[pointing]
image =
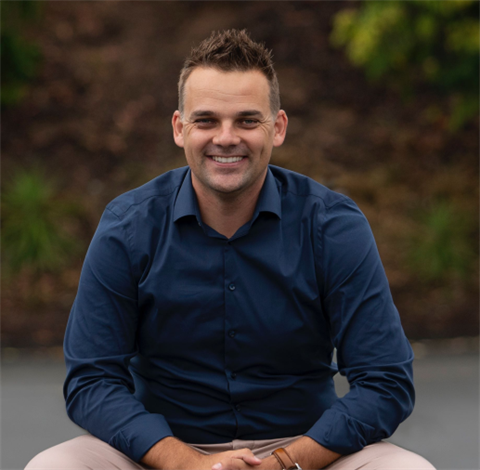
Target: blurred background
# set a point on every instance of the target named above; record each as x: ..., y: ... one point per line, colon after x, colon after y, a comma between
x: 383, y: 102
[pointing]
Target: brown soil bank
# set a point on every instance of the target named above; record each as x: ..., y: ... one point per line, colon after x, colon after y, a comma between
x: 97, y: 119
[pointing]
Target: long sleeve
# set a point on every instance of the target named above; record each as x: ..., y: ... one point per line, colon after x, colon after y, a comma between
x: 372, y: 350
x: 99, y: 343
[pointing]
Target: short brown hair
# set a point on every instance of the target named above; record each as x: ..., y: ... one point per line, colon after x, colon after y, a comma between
x: 228, y: 51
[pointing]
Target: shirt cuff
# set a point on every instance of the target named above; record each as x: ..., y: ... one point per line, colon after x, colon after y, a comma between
x: 135, y: 439
x: 341, y: 433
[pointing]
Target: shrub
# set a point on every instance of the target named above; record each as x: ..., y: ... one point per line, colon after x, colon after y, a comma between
x: 19, y: 57
x: 410, y: 44
x: 33, y: 219
x: 444, y: 246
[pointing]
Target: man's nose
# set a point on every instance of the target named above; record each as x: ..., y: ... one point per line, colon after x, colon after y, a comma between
x: 226, y: 136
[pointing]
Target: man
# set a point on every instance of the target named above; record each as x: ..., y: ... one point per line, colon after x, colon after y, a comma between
x: 212, y: 297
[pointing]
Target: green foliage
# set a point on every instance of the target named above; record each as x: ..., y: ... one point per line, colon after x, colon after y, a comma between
x: 413, y: 43
x: 19, y: 57
x: 444, y: 248
x: 32, y: 224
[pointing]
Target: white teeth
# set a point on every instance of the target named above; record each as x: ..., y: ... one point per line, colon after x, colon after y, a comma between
x: 226, y: 159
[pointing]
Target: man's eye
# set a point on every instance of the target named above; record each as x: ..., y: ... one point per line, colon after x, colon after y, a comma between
x: 204, y: 121
x: 250, y: 122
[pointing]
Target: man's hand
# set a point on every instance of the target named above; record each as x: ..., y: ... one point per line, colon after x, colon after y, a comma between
x: 234, y: 460
x: 172, y: 454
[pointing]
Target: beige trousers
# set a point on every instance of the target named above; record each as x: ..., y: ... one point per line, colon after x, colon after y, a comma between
x: 89, y: 453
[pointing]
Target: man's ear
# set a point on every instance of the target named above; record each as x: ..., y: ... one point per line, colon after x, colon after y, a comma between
x: 280, y: 126
x: 177, y: 125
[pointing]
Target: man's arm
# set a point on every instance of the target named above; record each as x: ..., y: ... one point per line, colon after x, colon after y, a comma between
x: 372, y: 350
x: 310, y: 454
x: 171, y: 453
x: 100, y: 341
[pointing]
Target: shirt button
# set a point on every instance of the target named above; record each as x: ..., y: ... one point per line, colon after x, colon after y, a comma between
x: 234, y: 375
x: 238, y: 407
x: 232, y: 286
x: 232, y: 333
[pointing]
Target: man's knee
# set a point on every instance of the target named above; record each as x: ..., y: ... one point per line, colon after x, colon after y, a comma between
x: 62, y: 456
x: 82, y: 453
x: 398, y: 458
x: 382, y: 456
x: 411, y: 461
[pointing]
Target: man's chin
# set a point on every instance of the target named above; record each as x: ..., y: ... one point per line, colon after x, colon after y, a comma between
x: 228, y: 189
x: 225, y: 183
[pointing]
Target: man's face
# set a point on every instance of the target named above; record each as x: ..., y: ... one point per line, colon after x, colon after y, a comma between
x: 228, y: 131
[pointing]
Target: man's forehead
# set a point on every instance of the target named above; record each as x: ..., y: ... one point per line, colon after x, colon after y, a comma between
x: 206, y: 74
x: 215, y: 86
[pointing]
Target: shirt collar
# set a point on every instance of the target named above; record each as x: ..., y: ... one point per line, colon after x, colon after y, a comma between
x: 186, y: 203
x: 269, y: 199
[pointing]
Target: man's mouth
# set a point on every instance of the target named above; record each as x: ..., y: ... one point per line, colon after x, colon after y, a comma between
x: 219, y: 159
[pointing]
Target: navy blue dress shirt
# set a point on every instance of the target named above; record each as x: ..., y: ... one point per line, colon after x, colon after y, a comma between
x: 178, y: 331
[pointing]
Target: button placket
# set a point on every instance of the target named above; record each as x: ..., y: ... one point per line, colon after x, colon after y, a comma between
x: 232, y: 325
x: 230, y: 301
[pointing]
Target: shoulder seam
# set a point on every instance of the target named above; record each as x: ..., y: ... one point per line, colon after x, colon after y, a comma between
x: 111, y: 212
x: 342, y: 196
x: 140, y: 202
x: 128, y: 238
x: 344, y: 199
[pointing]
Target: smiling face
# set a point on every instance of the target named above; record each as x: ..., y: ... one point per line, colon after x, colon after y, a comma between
x: 228, y: 131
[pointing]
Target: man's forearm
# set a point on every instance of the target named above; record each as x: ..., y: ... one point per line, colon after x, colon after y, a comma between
x: 309, y: 454
x: 171, y: 453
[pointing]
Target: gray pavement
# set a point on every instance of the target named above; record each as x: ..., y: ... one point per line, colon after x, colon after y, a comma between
x: 444, y: 426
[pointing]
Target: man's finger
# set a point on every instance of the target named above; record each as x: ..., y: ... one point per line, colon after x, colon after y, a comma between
x: 249, y: 458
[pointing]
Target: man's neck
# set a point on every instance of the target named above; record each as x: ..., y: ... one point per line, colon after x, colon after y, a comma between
x: 227, y: 213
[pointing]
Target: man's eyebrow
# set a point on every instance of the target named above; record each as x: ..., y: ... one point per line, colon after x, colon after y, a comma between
x: 202, y: 112
x: 250, y: 112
